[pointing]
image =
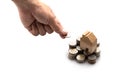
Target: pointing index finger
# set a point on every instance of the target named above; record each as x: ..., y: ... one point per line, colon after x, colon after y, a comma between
x: 57, y: 27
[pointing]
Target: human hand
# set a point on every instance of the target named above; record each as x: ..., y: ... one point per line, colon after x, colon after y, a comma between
x: 38, y: 18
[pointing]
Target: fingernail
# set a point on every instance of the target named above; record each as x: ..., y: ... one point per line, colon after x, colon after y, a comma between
x: 68, y: 35
x: 63, y: 33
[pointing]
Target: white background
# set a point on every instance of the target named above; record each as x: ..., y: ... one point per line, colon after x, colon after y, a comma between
x: 25, y: 57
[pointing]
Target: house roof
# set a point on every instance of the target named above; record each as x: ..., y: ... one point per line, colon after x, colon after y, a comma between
x: 89, y: 38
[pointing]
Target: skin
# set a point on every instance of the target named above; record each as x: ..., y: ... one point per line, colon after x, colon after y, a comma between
x: 38, y: 18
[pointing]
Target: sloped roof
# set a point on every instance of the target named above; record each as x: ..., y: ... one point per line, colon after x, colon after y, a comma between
x: 89, y: 38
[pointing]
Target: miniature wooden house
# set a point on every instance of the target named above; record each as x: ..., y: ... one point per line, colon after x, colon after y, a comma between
x: 88, y: 42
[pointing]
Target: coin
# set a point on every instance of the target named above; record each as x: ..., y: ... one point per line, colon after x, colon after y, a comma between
x: 92, y: 59
x: 78, y: 41
x: 85, y: 53
x: 79, y: 50
x: 98, y: 44
x: 72, y: 44
x: 97, y: 52
x: 80, y: 58
x: 92, y: 62
x: 72, y: 53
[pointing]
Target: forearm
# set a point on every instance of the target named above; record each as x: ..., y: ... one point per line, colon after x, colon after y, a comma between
x: 23, y: 1
x: 26, y: 3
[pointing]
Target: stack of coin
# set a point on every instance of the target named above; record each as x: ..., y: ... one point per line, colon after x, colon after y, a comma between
x: 97, y: 52
x: 72, y: 44
x: 81, y: 56
x: 78, y: 41
x: 72, y: 53
x: 92, y: 59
